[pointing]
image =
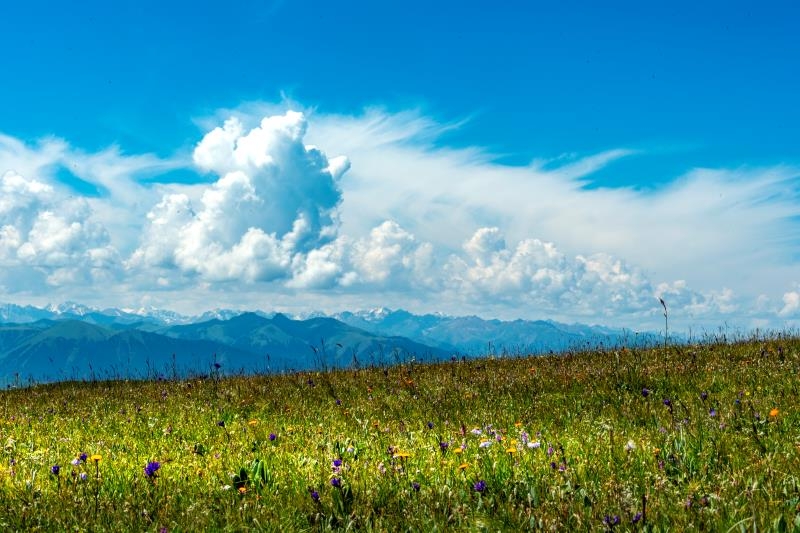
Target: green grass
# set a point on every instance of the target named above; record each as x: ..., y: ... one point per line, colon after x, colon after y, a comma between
x: 573, y: 440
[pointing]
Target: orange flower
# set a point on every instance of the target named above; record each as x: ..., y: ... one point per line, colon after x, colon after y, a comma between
x: 463, y: 466
x: 242, y: 490
x: 774, y: 412
x: 253, y: 423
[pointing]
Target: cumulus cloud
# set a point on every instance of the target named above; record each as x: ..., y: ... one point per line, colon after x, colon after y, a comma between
x: 54, y: 235
x: 791, y: 304
x: 276, y: 197
x: 413, y: 222
x: 536, y: 274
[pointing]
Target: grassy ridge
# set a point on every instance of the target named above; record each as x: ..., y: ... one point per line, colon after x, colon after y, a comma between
x: 695, y: 438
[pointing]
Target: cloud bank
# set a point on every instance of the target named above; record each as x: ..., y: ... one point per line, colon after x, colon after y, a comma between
x: 383, y: 213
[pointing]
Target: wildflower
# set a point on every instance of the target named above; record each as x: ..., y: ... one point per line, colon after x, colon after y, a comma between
x: 645, y: 392
x: 151, y: 468
x: 252, y: 423
x: 630, y: 445
x: 611, y: 521
x: 415, y: 486
x: 401, y: 455
x: 242, y: 490
x: 221, y: 423
x: 96, y: 458
x: 75, y: 462
x: 636, y: 518
x: 553, y: 465
x: 476, y: 431
x: 712, y: 412
x: 82, y: 457
x: 55, y: 469
x: 550, y: 450
x: 703, y: 395
x: 272, y: 436
x: 83, y: 476
x: 479, y: 486
x: 463, y: 466
x: 667, y: 402
x: 338, y: 401
x: 511, y: 450
x: 535, y: 444
x: 458, y: 450
x: 774, y: 412
x: 381, y: 468
x: 314, y: 495
x: 485, y: 444
x: 443, y: 445
x: 336, y: 482
x: 430, y: 425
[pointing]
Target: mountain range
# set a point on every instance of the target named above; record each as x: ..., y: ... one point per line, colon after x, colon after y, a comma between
x: 73, y: 341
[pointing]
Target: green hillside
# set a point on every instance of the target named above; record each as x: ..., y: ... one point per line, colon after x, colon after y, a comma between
x: 699, y: 437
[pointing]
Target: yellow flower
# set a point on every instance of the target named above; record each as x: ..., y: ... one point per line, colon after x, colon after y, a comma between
x: 458, y: 450
x: 242, y: 490
x: 401, y: 455
x: 518, y: 424
x: 96, y: 458
x: 253, y: 423
x: 511, y: 450
x: 463, y: 466
x: 774, y: 412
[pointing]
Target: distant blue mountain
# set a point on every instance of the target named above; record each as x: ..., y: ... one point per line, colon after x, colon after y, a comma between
x: 65, y: 349
x: 73, y: 341
x: 474, y: 335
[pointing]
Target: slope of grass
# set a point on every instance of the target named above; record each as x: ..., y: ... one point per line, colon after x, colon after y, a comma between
x: 696, y: 438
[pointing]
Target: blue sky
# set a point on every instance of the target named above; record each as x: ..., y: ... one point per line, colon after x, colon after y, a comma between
x: 661, y: 136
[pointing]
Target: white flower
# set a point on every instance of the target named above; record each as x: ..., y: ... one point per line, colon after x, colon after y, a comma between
x: 534, y: 444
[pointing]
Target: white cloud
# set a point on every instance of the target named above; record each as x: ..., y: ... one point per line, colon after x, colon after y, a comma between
x: 276, y: 197
x: 413, y: 223
x: 54, y: 235
x: 791, y: 304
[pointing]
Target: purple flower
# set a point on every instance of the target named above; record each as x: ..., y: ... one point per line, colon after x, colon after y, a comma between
x: 712, y: 412
x: 336, y: 482
x: 83, y: 457
x: 55, y: 469
x: 443, y: 445
x: 83, y: 476
x: 553, y: 465
x: 479, y: 486
x: 703, y: 395
x: 314, y: 495
x: 272, y: 436
x: 338, y: 401
x: 151, y: 468
x: 636, y: 518
x: 415, y: 486
x: 667, y: 402
x: 221, y: 423
x: 430, y: 425
x: 645, y: 392
x: 549, y: 450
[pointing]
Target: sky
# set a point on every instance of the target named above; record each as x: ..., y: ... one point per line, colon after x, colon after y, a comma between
x: 573, y: 161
